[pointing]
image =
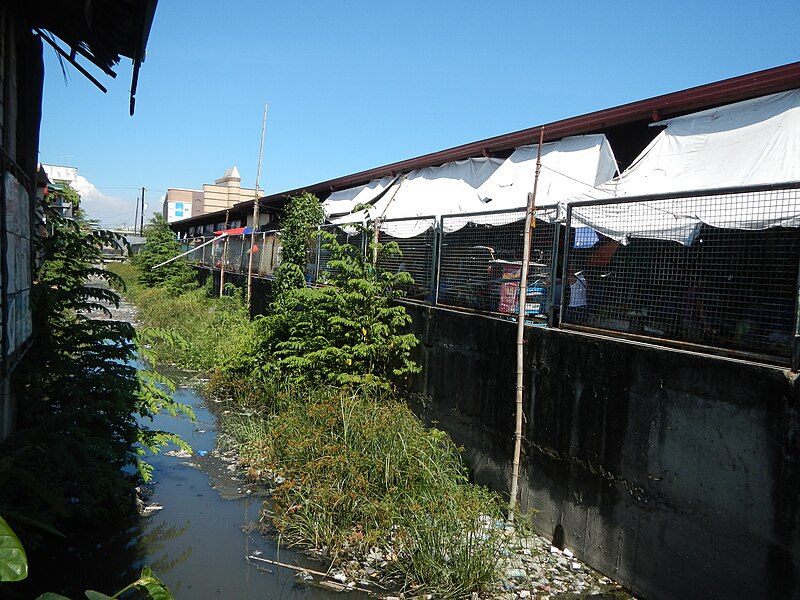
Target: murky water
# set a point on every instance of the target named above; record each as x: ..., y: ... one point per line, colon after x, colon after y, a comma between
x: 198, y: 543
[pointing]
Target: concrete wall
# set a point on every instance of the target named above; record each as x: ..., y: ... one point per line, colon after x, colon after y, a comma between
x: 21, y: 77
x: 674, y: 473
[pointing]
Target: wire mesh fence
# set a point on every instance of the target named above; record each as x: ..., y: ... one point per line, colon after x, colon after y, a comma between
x: 715, y: 270
x: 267, y: 253
x: 234, y: 253
x: 416, y: 240
x: 317, y: 270
x: 481, y: 263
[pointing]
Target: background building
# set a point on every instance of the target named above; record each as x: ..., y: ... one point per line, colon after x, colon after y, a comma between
x: 222, y: 194
x: 59, y: 177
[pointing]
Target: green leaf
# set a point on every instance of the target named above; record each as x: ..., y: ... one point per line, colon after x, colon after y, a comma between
x: 155, y: 589
x: 51, y: 596
x: 92, y: 595
x: 13, y: 562
x: 22, y: 518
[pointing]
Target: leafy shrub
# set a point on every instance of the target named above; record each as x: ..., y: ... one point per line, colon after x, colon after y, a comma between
x: 77, y: 424
x: 161, y: 245
x: 303, y: 214
x: 345, y: 333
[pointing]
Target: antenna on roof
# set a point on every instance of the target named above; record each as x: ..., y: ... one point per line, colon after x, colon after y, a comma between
x: 253, y: 247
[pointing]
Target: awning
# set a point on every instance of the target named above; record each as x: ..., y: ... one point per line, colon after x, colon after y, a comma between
x: 235, y: 231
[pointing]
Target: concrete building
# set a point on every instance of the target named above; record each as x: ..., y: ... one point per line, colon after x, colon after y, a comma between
x: 224, y: 193
x: 103, y: 37
x: 60, y: 176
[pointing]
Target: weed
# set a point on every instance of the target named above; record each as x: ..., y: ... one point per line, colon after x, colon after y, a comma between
x: 362, y: 473
x: 355, y: 472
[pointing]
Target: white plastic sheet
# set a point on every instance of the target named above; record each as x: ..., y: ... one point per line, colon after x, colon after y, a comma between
x: 343, y: 202
x: 747, y: 143
x: 433, y: 191
x: 570, y: 166
x: 486, y: 185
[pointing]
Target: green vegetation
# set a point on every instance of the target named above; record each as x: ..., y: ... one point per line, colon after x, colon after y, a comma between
x: 355, y: 471
x: 303, y: 214
x: 160, y: 246
x: 77, y: 426
x: 348, y: 333
x: 190, y: 329
x: 363, y: 474
x: 14, y: 567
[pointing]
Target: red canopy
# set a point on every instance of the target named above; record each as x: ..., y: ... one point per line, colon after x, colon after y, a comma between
x: 235, y: 231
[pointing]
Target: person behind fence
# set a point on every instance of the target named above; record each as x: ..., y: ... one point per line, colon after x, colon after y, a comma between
x: 578, y: 307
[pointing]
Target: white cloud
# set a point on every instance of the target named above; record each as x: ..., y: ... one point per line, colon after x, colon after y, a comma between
x: 109, y: 210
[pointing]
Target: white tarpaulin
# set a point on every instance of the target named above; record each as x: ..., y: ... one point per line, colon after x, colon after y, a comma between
x: 431, y: 191
x: 486, y: 185
x: 570, y: 166
x: 434, y: 191
x: 344, y: 201
x: 753, y: 142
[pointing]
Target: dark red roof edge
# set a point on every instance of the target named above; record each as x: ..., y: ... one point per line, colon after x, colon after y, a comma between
x: 760, y: 83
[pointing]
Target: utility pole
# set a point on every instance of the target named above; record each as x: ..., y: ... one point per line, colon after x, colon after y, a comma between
x: 141, y: 215
x: 136, y: 217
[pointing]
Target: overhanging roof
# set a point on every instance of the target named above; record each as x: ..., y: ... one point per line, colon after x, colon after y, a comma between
x: 101, y: 31
x: 760, y: 83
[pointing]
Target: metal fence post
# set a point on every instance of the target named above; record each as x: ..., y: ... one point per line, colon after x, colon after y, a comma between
x: 795, y: 349
x: 565, y: 263
x: 551, y: 293
x: 436, y: 252
x: 319, y: 253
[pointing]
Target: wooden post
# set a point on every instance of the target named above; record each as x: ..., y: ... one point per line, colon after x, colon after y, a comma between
x: 222, y: 267
x: 255, y: 217
x: 530, y: 223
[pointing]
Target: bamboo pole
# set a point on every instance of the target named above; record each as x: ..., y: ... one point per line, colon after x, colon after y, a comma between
x: 375, y: 238
x: 530, y: 223
x: 379, y: 219
x: 224, y: 255
x: 255, y: 216
x: 338, y: 586
x: 203, y: 245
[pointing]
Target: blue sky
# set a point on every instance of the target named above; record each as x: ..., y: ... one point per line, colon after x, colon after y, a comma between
x: 353, y: 85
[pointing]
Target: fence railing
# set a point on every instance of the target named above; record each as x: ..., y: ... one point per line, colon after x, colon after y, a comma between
x: 718, y: 269
x: 234, y: 252
x: 715, y: 271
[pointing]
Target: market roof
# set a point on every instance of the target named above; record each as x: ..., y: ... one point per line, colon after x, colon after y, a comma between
x: 647, y: 111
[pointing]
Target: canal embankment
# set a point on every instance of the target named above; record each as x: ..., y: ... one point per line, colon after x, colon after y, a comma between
x: 520, y: 564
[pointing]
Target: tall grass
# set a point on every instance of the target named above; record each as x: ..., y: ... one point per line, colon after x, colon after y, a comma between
x: 201, y: 332
x: 360, y: 477
x: 363, y: 475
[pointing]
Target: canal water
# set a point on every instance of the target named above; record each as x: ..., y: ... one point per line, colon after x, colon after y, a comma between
x: 200, y: 539
x: 197, y: 542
